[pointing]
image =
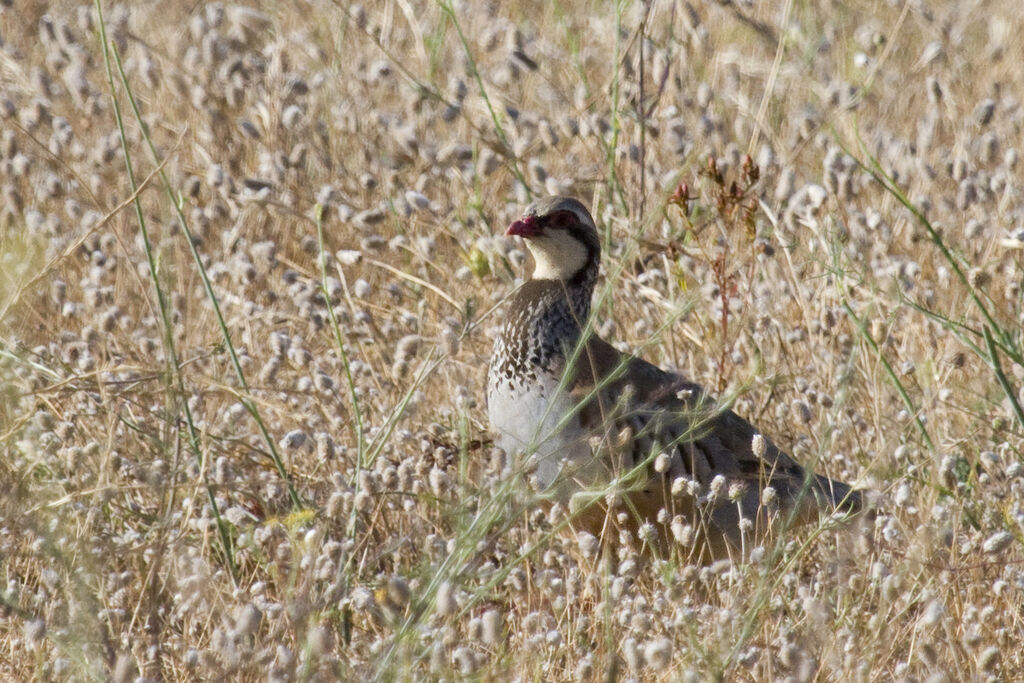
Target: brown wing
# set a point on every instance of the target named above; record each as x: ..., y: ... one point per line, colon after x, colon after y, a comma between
x: 636, y: 411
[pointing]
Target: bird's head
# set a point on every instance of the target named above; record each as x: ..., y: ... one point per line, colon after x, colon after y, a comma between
x: 561, y: 236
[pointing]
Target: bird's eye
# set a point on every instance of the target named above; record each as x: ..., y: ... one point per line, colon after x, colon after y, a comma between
x: 560, y: 219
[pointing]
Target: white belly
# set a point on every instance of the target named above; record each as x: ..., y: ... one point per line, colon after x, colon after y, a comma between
x: 536, y: 420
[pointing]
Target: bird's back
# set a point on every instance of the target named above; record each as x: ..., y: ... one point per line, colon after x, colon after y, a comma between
x: 678, y: 441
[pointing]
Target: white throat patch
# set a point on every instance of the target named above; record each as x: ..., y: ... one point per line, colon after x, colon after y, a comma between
x: 558, y: 255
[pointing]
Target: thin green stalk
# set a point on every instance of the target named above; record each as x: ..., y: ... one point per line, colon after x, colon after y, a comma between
x: 958, y: 329
x: 350, y: 380
x: 496, y: 506
x: 338, y: 339
x: 381, y: 438
x: 398, y: 62
x: 5, y: 353
x: 996, y: 337
x: 177, y: 201
x: 641, y: 114
x: 892, y: 374
x: 992, y: 347
x: 874, y: 169
x: 172, y: 366
x: 615, y: 187
x: 769, y: 581
x: 769, y: 584
x: 366, y: 453
x: 1001, y: 376
x: 446, y: 7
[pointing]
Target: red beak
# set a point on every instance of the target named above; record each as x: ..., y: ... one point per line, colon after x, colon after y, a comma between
x: 527, y: 226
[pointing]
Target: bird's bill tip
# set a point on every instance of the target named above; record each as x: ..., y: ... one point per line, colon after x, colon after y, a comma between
x: 527, y: 226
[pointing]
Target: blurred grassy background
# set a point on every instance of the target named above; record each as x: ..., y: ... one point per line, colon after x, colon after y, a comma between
x: 242, y: 427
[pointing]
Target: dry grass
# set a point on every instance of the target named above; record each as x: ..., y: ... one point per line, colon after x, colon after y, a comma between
x: 307, y: 492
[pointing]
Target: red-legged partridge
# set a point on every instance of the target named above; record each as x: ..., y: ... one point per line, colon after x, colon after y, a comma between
x: 599, y: 420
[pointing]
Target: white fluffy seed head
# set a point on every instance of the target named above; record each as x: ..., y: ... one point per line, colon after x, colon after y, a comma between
x: 662, y: 463
x: 291, y: 116
x: 248, y: 620
x: 588, y: 543
x: 658, y: 653
x: 759, y: 446
x: 997, y: 542
x: 681, y: 531
x: 416, y: 200
x: 446, y: 603
x: 35, y: 630
x: 717, y: 484
x: 293, y: 440
x: 398, y: 591
x: 465, y: 659
x: 492, y: 626
x: 988, y: 659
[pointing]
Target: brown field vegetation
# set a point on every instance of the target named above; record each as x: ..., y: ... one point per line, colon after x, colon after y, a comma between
x: 253, y: 263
